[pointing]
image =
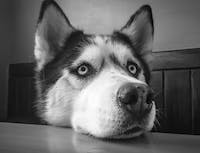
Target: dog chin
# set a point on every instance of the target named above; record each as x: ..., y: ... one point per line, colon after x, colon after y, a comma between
x: 114, y: 130
x: 133, y: 132
x: 115, y: 134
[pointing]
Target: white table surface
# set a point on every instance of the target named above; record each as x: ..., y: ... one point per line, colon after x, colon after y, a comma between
x: 28, y: 138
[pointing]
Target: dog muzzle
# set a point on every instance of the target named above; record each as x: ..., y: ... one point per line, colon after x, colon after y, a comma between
x: 114, y: 107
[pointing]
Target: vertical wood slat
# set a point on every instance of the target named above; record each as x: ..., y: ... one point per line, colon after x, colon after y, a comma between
x: 157, y: 85
x: 195, y: 85
x: 21, y: 95
x: 11, y: 98
x: 21, y: 99
x: 178, y: 101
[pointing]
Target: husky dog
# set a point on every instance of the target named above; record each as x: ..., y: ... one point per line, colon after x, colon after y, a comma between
x: 96, y: 84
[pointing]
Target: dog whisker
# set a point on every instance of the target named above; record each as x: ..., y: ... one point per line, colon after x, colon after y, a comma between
x: 157, y: 94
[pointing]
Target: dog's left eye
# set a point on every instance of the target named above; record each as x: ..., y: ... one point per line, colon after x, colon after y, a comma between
x: 132, y: 68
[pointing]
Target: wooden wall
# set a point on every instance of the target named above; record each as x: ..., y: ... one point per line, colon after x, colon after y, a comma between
x: 175, y: 79
x: 21, y: 93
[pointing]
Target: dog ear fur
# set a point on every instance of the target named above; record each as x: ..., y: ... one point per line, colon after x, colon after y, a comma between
x: 140, y: 30
x: 53, y: 29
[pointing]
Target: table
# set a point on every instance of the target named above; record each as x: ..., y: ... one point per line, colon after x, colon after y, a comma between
x: 29, y: 138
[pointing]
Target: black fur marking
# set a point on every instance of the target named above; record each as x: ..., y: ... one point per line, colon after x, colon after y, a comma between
x: 68, y: 54
x: 115, y: 60
x: 144, y: 8
x: 52, y: 71
x: 122, y: 38
x: 45, y: 5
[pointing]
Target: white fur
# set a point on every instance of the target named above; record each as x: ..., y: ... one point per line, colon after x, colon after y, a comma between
x: 41, y: 52
x: 96, y: 111
x: 58, y: 103
x: 151, y: 118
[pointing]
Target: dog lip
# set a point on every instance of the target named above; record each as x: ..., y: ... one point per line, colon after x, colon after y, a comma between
x: 149, y: 107
x: 128, y: 132
x: 132, y: 130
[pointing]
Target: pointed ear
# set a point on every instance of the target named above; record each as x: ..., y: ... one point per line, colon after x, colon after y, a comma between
x: 53, y: 29
x: 140, y: 30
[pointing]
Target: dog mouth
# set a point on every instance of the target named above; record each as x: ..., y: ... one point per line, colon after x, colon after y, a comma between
x: 132, y: 130
x: 117, y: 123
x: 129, y: 133
x: 137, y: 128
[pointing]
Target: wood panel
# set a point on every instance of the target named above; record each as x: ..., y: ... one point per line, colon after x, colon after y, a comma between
x: 181, y: 59
x: 195, y: 81
x: 22, y: 94
x: 21, y: 70
x: 12, y: 105
x: 178, y: 101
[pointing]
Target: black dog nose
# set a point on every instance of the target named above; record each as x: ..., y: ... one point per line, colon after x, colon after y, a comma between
x: 134, y: 97
x: 127, y: 94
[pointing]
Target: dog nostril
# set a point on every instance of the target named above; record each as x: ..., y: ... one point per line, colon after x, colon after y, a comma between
x: 128, y: 95
x: 132, y: 98
x: 141, y: 89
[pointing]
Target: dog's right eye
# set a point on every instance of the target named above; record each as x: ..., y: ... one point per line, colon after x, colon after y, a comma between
x: 82, y: 70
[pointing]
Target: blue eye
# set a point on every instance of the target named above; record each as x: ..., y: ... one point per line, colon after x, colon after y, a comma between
x: 132, y: 69
x: 83, y: 70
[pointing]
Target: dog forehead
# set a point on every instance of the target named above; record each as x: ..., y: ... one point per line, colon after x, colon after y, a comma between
x: 110, y: 46
x: 102, y: 47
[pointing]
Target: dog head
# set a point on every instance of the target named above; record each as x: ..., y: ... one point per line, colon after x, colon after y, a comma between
x: 97, y: 84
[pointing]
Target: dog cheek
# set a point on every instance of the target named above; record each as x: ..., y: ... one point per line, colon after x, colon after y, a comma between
x: 96, y: 111
x: 141, y: 77
x: 75, y: 83
x: 59, y: 103
x: 151, y: 118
